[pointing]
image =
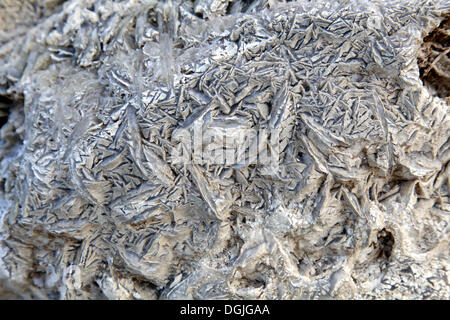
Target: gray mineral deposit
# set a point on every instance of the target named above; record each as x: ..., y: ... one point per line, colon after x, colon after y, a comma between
x: 224, y: 149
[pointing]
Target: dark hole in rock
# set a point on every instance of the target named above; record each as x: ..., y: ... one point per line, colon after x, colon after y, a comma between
x: 434, y: 60
x: 229, y: 7
x: 252, y: 283
x: 5, y: 106
x: 385, y: 243
x: 306, y: 86
x: 199, y: 15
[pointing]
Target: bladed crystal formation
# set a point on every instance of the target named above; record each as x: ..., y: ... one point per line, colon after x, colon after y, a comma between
x: 220, y: 149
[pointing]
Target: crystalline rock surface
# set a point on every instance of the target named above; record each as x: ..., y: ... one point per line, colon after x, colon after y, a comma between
x: 99, y: 100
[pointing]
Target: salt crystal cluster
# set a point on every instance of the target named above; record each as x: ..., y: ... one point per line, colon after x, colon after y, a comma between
x: 131, y: 147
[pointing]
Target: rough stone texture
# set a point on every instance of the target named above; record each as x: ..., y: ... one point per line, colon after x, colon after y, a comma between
x: 98, y: 96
